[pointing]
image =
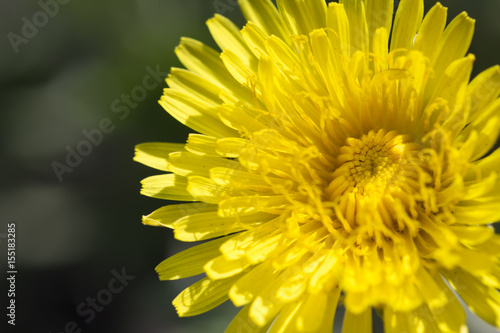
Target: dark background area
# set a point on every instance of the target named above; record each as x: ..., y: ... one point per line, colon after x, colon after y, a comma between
x: 77, y: 231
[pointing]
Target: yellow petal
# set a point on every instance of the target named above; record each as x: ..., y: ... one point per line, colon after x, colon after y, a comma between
x: 379, y: 49
x: 238, y: 69
x: 258, y: 160
x: 264, y: 308
x: 282, y: 55
x: 255, y: 38
x: 236, y: 246
x: 194, y: 85
x: 482, y: 300
x: 355, y: 11
x: 264, y: 14
x: 454, y: 42
x: 243, y: 323
x: 337, y: 20
x: 359, y: 323
x: 303, y: 16
x: 483, y: 91
x: 328, y: 321
x: 477, y: 189
x: 310, y: 315
x: 250, y: 285
x: 293, y: 286
x: 325, y: 59
x: 454, y: 81
x: 201, y: 144
x: 485, y: 166
x: 474, y: 212
x: 203, y: 189
x: 261, y: 249
x: 432, y: 289
x: 488, y: 133
x: 206, y: 62
x: 285, y: 321
x: 228, y: 36
x: 379, y: 15
x: 196, y: 227
x: 167, y: 215
x: 397, y: 322
x: 189, y: 262
x: 240, y: 206
x: 245, y: 180
x: 322, y: 275
x: 201, y: 226
x: 202, y: 296
x: 186, y: 163
x: 430, y: 31
x: 230, y: 147
x: 475, y: 261
x: 406, y: 23
x: 154, y: 154
x: 167, y: 187
x: 452, y: 318
x: 473, y: 235
x: 222, y: 268
x: 196, y: 114
x: 235, y: 117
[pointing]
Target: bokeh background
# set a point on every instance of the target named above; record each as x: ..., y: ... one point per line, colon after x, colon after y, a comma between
x: 63, y: 79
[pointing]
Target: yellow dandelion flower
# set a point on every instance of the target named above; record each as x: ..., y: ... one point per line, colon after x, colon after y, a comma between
x: 342, y: 157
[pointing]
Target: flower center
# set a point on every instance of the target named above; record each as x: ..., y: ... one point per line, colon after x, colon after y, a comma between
x: 372, y: 164
x: 373, y: 171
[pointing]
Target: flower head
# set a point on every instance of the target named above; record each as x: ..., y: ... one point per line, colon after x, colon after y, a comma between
x: 342, y: 157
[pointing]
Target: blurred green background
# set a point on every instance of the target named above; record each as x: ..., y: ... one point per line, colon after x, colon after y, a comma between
x: 59, y: 79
